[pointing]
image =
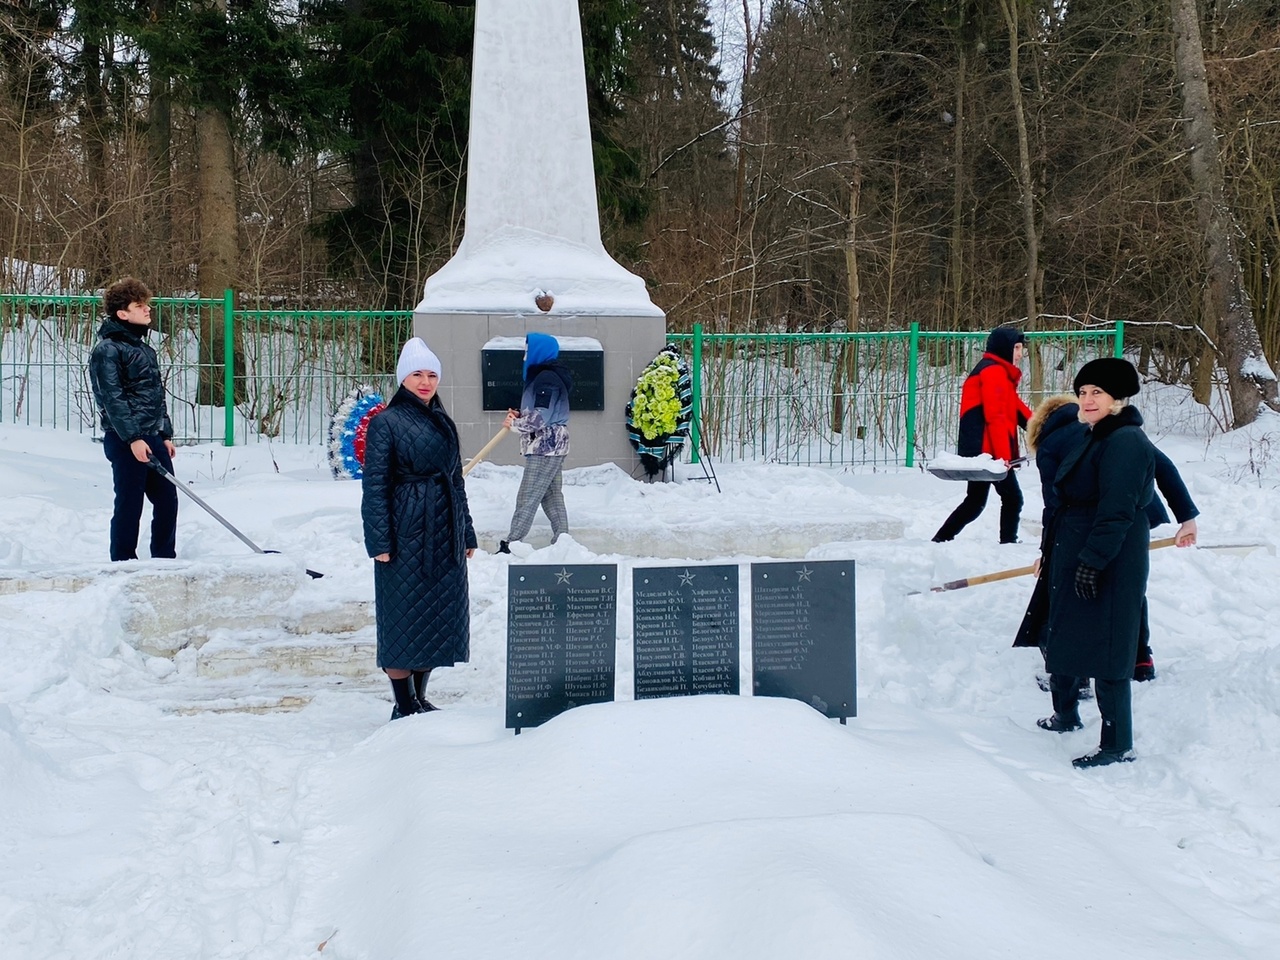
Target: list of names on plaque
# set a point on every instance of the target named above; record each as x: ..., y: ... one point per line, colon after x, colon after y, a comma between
x: 561, y: 639
x: 685, y: 622
x: 803, y: 635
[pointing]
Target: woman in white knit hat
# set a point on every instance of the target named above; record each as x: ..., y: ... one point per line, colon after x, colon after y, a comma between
x: 417, y: 528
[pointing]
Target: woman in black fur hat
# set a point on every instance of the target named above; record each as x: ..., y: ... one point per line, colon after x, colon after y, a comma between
x: 1097, y: 552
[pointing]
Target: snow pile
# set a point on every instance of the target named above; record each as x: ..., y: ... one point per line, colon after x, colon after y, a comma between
x: 940, y: 822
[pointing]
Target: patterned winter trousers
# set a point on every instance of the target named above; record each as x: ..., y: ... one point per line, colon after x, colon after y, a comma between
x: 540, y: 485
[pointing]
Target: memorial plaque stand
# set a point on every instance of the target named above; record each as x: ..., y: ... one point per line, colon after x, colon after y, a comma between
x: 561, y: 639
x: 803, y: 636
x: 685, y: 622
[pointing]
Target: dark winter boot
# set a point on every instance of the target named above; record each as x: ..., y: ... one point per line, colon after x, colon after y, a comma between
x: 420, y: 678
x: 1065, y: 692
x: 1116, y: 743
x: 406, y: 702
x: 504, y: 546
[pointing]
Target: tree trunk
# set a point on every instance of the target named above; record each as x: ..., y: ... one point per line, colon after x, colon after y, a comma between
x: 159, y: 143
x: 1025, y: 182
x: 219, y: 243
x: 853, y: 320
x: 1250, y: 379
x: 94, y: 256
x: 957, y: 191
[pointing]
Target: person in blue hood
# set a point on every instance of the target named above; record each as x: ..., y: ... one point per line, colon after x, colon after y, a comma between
x: 543, y: 424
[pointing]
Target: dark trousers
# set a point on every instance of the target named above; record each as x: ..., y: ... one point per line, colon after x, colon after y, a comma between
x: 976, y: 498
x: 1115, y: 703
x: 133, y: 481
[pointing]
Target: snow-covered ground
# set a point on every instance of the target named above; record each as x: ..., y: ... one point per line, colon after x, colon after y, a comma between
x: 939, y: 823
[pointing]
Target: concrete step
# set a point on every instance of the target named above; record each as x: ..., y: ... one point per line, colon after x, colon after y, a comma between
x: 352, y: 657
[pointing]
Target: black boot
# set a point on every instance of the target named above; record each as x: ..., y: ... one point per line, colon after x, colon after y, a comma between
x: 504, y: 546
x: 1116, y: 742
x: 1065, y: 692
x: 406, y: 703
x: 420, y: 678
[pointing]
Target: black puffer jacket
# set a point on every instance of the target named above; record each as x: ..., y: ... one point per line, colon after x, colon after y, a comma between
x: 125, y: 376
x: 414, y: 507
x: 1103, y: 486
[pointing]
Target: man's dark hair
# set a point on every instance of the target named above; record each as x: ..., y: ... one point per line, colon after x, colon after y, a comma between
x: 120, y: 294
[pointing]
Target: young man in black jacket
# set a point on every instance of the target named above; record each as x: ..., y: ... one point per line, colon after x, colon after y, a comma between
x: 125, y: 375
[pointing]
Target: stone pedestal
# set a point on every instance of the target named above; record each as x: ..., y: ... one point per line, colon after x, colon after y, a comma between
x: 595, y: 436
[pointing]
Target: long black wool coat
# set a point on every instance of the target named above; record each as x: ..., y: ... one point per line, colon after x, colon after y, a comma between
x: 414, y: 507
x: 1103, y: 486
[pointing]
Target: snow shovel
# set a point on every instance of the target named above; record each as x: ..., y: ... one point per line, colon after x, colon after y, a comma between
x: 1016, y: 572
x: 484, y: 451
x: 972, y: 469
x: 157, y: 466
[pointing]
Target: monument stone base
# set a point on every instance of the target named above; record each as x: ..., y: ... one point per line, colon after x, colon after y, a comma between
x: 595, y: 436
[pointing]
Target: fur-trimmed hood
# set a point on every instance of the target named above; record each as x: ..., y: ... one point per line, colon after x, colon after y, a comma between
x: 1046, y: 408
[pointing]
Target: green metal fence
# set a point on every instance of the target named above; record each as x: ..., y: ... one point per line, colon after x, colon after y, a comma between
x: 845, y: 398
x: 236, y: 376
x: 283, y: 371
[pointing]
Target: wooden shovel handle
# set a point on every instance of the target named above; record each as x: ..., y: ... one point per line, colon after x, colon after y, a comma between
x: 484, y: 451
x: 1021, y: 571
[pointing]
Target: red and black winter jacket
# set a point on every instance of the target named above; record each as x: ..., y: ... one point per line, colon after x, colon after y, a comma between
x: 991, y: 410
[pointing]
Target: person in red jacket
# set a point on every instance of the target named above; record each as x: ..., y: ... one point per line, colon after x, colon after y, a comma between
x: 990, y: 413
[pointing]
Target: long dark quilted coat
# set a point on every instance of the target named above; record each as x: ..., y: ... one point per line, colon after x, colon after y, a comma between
x: 1103, y: 486
x: 414, y: 507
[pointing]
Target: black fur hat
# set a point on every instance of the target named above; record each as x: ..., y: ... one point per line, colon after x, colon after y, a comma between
x: 1116, y: 376
x: 1002, y: 340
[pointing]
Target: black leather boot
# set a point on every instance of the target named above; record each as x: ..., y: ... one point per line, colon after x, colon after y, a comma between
x: 420, y: 678
x: 1065, y: 692
x: 1116, y: 742
x: 406, y: 703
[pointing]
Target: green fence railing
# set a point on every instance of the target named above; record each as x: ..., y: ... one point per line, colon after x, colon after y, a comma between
x: 236, y: 375
x: 230, y: 374
x: 866, y: 398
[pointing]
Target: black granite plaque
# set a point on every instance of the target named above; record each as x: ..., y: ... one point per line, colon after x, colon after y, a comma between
x: 502, y: 378
x: 561, y: 637
x: 803, y: 636
x: 685, y: 623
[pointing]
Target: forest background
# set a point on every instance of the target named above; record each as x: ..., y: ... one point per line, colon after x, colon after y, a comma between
x: 856, y: 165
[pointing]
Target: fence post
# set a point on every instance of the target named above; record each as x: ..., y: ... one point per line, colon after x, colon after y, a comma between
x: 695, y: 424
x: 1120, y: 338
x: 228, y: 368
x: 913, y: 352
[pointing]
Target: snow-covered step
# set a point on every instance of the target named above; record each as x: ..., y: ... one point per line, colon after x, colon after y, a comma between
x: 317, y: 655
x: 706, y: 537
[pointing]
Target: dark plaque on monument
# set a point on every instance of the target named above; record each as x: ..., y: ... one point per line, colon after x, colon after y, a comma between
x: 686, y: 630
x: 803, y: 636
x: 561, y: 637
x: 502, y: 378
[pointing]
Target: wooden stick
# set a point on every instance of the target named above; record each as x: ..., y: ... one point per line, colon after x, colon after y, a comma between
x: 1020, y: 571
x: 484, y: 451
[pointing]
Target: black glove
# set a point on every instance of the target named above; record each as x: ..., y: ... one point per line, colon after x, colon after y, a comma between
x: 1087, y: 582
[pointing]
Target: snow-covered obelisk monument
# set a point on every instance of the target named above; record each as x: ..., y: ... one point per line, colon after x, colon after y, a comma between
x: 531, y: 257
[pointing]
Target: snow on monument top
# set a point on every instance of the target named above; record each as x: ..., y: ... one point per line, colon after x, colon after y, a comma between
x: 532, y: 220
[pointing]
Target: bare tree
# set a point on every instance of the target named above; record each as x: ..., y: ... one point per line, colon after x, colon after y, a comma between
x: 1250, y: 380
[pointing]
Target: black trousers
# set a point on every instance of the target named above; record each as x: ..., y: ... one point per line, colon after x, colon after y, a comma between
x: 133, y: 481
x: 1115, y: 703
x: 975, y: 500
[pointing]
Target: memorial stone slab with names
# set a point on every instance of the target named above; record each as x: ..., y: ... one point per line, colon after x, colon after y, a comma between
x: 561, y: 639
x: 803, y: 636
x: 685, y: 622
